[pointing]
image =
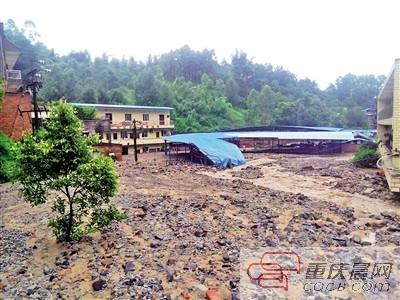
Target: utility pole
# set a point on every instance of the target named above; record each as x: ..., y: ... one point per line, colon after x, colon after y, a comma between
x: 134, y: 139
x: 34, y: 85
x: 35, y: 124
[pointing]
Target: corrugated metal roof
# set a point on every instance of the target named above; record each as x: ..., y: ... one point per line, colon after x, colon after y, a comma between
x: 315, y: 128
x: 122, y: 106
x: 295, y: 135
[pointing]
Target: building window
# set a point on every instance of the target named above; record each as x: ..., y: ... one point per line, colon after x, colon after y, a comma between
x: 124, y: 134
x: 145, y: 117
x: 163, y: 132
x: 162, y: 121
x: 128, y: 117
x: 115, y: 135
x: 157, y: 134
x: 145, y: 134
x: 109, y: 117
x: 108, y: 135
x: 131, y: 135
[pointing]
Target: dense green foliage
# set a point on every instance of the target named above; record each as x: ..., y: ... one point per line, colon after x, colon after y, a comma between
x: 7, y: 163
x: 1, y: 93
x: 58, y: 158
x: 366, y: 156
x: 206, y: 94
x: 85, y: 112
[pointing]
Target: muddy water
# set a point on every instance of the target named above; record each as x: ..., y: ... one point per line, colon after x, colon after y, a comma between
x: 312, y: 187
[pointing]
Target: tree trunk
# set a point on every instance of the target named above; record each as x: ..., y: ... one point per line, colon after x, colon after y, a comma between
x: 70, y: 219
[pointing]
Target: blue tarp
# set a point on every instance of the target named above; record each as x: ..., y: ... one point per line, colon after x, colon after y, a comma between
x: 220, y: 152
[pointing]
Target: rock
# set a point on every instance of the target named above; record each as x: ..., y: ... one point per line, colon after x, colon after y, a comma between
x: 107, y: 262
x: 31, y: 290
x: 99, y: 285
x: 200, y: 287
x: 368, y: 191
x: 129, y: 267
x: 389, y: 215
x: 221, y: 242
x: 200, y: 233
x: 375, y: 224
x: 214, y: 295
x: 394, y: 229
x: 170, y: 274
x: 319, y: 223
x: 363, y: 238
x: 191, y: 266
x: 224, y: 291
x: 155, y: 244
x: 46, y: 270
x: 185, y: 295
x: 22, y: 270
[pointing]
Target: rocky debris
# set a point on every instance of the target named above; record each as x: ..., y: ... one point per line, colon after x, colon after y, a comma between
x: 16, y: 263
x: 345, y: 176
x: 13, y: 250
x: 185, y: 230
x: 249, y: 172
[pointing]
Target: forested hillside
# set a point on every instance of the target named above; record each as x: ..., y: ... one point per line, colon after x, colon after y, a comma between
x: 206, y: 94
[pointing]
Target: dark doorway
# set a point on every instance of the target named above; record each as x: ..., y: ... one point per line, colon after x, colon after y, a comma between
x: 124, y: 150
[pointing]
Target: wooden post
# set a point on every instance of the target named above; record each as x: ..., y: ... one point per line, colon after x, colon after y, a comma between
x: 134, y: 139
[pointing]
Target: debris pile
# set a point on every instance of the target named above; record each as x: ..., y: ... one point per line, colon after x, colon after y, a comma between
x: 186, y: 225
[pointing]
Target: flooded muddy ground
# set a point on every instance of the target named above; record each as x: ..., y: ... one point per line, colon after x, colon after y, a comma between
x: 187, y: 223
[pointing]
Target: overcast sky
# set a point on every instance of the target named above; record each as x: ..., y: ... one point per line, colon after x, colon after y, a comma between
x: 318, y: 39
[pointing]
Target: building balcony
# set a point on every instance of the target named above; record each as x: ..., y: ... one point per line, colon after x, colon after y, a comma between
x: 155, y: 126
x: 14, y: 81
x: 140, y: 125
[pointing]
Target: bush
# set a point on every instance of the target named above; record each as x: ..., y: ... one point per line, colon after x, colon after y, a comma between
x: 366, y: 156
x: 7, y: 162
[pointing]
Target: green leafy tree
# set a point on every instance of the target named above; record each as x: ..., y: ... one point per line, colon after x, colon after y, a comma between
x: 355, y: 118
x: 59, y: 158
x: 85, y: 112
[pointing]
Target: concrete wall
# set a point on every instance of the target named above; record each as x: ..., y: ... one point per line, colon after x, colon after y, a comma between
x: 11, y: 122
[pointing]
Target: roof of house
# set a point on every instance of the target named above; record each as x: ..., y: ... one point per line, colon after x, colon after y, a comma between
x: 122, y: 106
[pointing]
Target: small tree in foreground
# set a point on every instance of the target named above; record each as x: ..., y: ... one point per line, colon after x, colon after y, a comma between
x: 59, y: 158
